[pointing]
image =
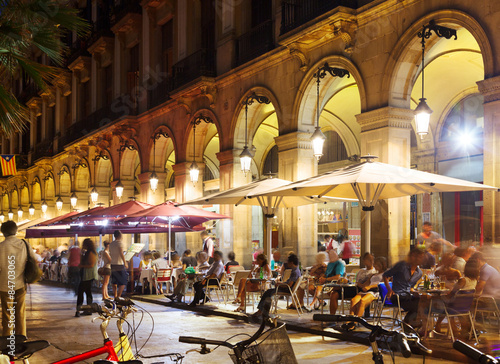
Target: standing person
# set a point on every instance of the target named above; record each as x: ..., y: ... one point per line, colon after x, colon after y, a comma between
x: 208, y: 245
x: 331, y: 243
x: 73, y: 263
x: 405, y: 275
x: 13, y: 255
x: 88, y: 272
x: 211, y: 277
x: 106, y: 258
x: 427, y: 237
x: 119, y: 276
x: 347, y: 251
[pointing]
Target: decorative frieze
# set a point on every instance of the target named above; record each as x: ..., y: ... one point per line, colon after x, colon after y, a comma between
x: 385, y: 117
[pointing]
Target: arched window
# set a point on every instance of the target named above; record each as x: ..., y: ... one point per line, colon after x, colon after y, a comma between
x: 207, y: 174
x: 333, y: 149
x: 465, y: 119
x: 271, y: 162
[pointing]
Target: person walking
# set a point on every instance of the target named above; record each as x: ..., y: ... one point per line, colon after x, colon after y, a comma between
x: 119, y: 276
x: 73, y: 263
x: 106, y: 259
x: 13, y: 255
x: 88, y: 272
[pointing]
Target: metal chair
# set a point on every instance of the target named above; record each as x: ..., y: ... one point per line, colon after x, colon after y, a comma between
x: 163, y: 276
x: 383, y: 302
x: 217, y: 287
x: 236, y: 268
x: 238, y: 276
x: 292, y: 292
x: 487, y: 306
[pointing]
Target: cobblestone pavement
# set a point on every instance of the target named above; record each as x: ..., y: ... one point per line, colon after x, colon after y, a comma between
x: 51, y: 317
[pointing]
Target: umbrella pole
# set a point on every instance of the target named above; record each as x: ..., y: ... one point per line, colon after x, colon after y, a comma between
x: 269, y: 237
x: 100, y: 241
x: 169, y: 240
x: 368, y: 228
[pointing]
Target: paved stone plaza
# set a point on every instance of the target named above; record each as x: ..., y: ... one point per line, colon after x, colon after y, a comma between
x: 51, y: 310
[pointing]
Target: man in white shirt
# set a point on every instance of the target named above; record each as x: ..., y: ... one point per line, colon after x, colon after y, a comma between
x: 212, y: 277
x: 208, y: 245
x: 119, y: 275
x: 13, y: 255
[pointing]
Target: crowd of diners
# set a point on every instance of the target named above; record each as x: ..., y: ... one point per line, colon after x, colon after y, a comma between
x: 459, y: 269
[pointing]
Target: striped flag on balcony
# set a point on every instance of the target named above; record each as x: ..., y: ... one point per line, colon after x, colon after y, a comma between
x: 8, y: 162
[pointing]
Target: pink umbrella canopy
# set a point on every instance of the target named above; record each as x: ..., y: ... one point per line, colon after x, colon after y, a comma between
x: 63, y: 231
x: 187, y: 216
x: 59, y: 218
x: 113, y: 212
x: 72, y: 218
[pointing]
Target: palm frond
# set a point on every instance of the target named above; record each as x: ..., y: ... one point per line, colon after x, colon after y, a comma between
x: 13, y: 116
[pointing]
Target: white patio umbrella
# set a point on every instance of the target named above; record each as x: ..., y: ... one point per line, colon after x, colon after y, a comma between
x: 370, y: 181
x: 250, y: 194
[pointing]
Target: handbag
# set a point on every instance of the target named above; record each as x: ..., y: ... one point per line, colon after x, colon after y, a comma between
x: 32, y: 272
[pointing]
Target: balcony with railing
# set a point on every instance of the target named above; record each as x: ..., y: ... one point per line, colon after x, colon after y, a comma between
x: 255, y: 42
x: 100, y: 28
x: 198, y: 64
x: 43, y: 149
x: 160, y: 92
x: 122, y: 8
x: 77, y: 49
x: 120, y: 107
x: 295, y: 13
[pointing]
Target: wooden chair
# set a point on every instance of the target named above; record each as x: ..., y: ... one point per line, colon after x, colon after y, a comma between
x: 163, y: 276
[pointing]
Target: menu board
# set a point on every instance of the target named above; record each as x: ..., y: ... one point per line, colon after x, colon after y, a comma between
x: 355, y: 238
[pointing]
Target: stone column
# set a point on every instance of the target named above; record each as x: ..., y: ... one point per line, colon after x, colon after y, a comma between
x: 490, y: 88
x: 385, y: 133
x: 185, y: 191
x: 58, y: 119
x: 299, y: 224
x: 226, y: 45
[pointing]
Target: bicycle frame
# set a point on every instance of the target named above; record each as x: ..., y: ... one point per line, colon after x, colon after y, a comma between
x: 123, y: 347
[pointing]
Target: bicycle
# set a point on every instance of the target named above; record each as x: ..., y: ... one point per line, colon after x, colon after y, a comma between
x: 274, y: 347
x: 122, y: 351
x: 474, y: 354
x: 401, y: 339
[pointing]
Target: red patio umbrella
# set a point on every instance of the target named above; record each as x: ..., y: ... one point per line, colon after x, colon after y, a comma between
x: 187, y: 216
x: 57, y: 219
x: 113, y: 212
x: 71, y: 218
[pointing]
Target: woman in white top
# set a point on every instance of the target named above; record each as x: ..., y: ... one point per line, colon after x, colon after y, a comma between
x: 368, y: 289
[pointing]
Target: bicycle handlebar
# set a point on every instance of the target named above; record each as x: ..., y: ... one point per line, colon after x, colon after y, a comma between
x: 202, y: 341
x: 401, y: 338
x: 473, y: 353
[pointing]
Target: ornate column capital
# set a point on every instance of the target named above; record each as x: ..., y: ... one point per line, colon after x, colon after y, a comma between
x: 393, y: 117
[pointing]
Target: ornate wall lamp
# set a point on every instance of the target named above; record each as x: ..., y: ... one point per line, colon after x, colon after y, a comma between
x: 153, y: 179
x: 31, y: 208
x: 246, y: 156
x: 423, y: 111
x: 59, y: 201
x: 94, y: 195
x: 318, y: 138
x: 119, y: 186
x: 44, y: 205
x: 194, y: 171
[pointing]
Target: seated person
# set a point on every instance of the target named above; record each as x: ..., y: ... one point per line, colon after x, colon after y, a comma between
x: 462, y: 255
x: 176, y: 260
x: 213, y: 276
x: 317, y: 271
x: 467, y: 283
x: 334, y: 271
x: 405, y: 275
x: 246, y: 285
x: 147, y: 258
x: 489, y: 278
x: 190, y: 277
x: 158, y: 263
x: 232, y: 262
x: 202, y: 260
x: 368, y: 289
x: 188, y: 260
x: 445, y: 272
x: 431, y: 255
x: 293, y: 264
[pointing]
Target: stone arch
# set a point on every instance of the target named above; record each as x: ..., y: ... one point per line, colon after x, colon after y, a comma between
x: 128, y: 160
x: 65, y: 184
x: 207, y: 141
x: 36, y: 191
x: 25, y: 195
x: 5, y: 203
x: 340, y: 117
x: 161, y: 149
x: 14, y: 199
x: 50, y: 187
x: 400, y: 68
x: 82, y: 177
x: 104, y: 171
x: 257, y: 114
